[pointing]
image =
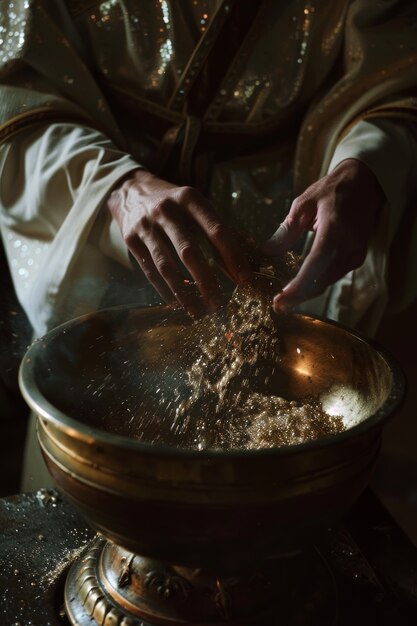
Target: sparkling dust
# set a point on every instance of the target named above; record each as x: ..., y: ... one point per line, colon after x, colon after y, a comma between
x: 230, y: 403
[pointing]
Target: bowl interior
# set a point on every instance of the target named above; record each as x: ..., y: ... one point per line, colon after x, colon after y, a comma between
x: 122, y: 370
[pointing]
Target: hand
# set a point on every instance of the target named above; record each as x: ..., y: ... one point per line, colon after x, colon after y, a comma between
x: 341, y: 209
x: 161, y: 224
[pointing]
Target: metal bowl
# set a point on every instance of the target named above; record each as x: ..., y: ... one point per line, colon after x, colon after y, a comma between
x: 212, y: 509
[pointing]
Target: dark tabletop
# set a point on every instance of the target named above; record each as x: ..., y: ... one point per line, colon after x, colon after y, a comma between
x: 372, y: 563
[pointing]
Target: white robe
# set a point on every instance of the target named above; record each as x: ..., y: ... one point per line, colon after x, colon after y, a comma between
x: 66, y: 253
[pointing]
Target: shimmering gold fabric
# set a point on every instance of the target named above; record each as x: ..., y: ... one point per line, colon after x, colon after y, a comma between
x: 128, y: 68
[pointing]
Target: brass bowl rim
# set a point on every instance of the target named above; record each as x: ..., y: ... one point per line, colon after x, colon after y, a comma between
x: 91, y: 435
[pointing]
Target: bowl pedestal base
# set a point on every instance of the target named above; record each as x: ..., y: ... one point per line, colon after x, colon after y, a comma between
x: 110, y: 586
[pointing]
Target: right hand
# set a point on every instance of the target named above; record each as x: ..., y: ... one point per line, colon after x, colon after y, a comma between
x: 161, y: 223
x: 341, y: 209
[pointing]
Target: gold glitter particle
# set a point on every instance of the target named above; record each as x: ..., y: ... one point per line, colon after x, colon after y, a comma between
x: 230, y: 405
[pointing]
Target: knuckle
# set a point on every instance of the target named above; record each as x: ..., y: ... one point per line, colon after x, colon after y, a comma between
x: 284, y: 227
x: 144, y: 224
x: 297, y: 215
x: 293, y: 221
x: 148, y: 272
x: 188, y: 193
x: 297, y: 204
x: 162, y: 264
x: 217, y: 231
x: 130, y: 239
x: 185, y: 252
x: 164, y: 209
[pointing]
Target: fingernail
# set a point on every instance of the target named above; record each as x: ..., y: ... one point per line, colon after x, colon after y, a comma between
x: 279, y: 305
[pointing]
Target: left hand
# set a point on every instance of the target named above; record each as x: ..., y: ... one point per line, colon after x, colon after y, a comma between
x: 163, y: 225
x: 341, y: 209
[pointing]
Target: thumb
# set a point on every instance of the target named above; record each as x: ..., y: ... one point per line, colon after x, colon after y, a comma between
x: 298, y: 220
x: 281, y: 241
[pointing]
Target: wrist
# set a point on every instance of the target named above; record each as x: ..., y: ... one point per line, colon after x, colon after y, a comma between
x: 138, y: 178
x: 356, y: 171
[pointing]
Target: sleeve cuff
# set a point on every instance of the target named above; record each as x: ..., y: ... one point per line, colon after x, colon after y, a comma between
x: 387, y: 148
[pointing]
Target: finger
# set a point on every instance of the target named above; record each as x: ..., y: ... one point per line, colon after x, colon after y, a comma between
x: 192, y: 258
x: 166, y: 265
x: 326, y: 263
x: 299, y: 219
x: 146, y: 264
x: 222, y: 239
x: 177, y: 228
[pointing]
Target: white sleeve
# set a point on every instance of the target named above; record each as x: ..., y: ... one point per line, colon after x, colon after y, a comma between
x: 359, y: 299
x: 53, y: 183
x: 389, y: 149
